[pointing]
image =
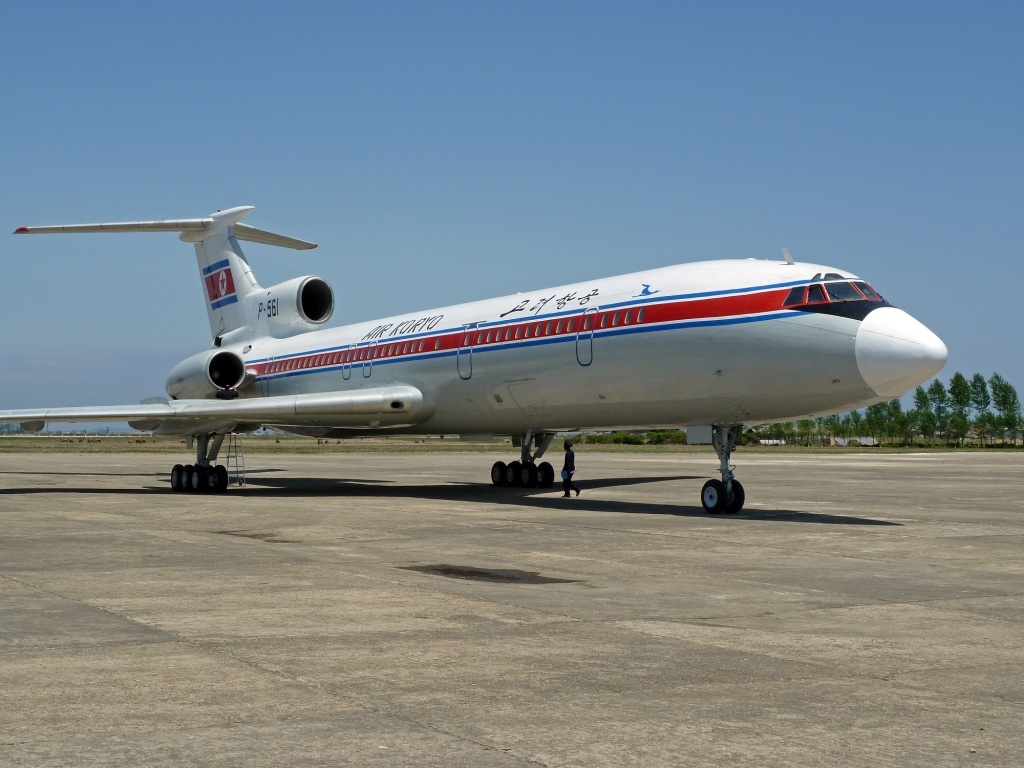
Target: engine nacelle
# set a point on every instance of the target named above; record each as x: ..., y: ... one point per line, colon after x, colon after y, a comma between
x: 202, y: 375
x: 295, y: 306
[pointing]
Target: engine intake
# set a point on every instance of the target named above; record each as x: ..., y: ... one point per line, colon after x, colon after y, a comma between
x: 296, y: 306
x: 203, y: 375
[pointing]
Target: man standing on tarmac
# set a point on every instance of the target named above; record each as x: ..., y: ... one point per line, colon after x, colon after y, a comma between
x: 567, y: 470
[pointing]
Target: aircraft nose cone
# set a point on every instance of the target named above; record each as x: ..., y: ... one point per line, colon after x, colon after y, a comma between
x: 895, y: 352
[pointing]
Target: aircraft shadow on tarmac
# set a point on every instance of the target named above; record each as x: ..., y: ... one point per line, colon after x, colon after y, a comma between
x: 548, y: 498
x: 263, y: 483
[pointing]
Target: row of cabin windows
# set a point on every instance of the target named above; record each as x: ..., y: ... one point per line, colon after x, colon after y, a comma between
x: 353, y: 355
x: 824, y: 293
x: 505, y: 333
x: 554, y: 327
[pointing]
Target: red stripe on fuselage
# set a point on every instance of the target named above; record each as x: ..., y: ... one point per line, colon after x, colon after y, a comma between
x: 681, y: 310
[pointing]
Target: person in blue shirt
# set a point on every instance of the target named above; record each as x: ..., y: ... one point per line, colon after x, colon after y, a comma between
x: 567, y: 470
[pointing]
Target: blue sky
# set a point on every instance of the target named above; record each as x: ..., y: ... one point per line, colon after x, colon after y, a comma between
x: 443, y: 152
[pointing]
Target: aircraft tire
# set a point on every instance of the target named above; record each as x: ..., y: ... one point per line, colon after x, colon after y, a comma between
x: 186, y: 478
x: 221, y: 473
x: 177, y: 478
x: 545, y: 475
x: 528, y: 476
x: 712, y: 497
x: 738, y: 497
x: 200, y: 480
x: 512, y: 473
x: 498, y: 473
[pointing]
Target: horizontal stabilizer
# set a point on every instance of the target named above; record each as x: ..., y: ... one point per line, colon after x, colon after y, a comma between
x: 253, y: 235
x: 192, y: 230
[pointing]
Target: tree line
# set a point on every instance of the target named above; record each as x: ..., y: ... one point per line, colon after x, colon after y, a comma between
x: 966, y: 411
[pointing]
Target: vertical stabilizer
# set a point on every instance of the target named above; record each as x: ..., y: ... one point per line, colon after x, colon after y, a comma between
x: 228, y: 282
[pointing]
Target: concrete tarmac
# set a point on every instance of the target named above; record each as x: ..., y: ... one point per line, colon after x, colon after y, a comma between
x: 396, y: 610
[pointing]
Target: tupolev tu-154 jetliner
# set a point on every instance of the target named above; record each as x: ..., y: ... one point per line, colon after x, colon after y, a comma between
x: 710, y: 346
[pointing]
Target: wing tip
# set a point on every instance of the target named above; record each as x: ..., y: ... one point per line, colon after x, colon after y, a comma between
x: 21, y: 231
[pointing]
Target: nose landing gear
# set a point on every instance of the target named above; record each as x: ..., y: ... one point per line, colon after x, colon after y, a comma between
x: 725, y: 495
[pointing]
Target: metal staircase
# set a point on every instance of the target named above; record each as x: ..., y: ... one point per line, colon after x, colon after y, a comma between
x: 234, y: 459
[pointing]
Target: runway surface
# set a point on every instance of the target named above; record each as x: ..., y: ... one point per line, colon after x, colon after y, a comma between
x: 396, y: 610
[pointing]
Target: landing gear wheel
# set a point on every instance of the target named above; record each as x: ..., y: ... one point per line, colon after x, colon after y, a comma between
x: 222, y: 478
x: 738, y: 497
x: 177, y: 478
x: 512, y: 473
x: 186, y: 478
x: 498, y: 473
x: 545, y: 475
x: 712, y: 497
x: 200, y: 480
x: 528, y: 476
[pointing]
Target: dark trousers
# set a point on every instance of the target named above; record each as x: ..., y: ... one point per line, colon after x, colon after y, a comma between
x: 567, y: 485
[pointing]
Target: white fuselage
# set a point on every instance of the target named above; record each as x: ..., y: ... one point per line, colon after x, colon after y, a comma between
x: 701, y: 343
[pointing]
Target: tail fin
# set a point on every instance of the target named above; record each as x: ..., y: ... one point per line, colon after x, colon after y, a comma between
x: 228, y: 281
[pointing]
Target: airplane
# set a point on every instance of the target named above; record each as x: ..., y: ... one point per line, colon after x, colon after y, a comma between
x: 711, y: 346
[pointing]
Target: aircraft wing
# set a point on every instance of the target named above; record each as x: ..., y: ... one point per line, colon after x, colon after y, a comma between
x: 369, y: 408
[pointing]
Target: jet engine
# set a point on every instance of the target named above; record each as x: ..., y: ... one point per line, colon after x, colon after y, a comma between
x: 203, y: 375
x: 295, y: 306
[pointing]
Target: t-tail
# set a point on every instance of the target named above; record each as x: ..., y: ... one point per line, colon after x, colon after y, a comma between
x: 238, y: 307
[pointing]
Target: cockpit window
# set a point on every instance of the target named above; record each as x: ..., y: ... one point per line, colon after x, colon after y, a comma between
x: 815, y: 295
x: 795, y: 297
x: 843, y: 292
x: 868, y: 292
x: 843, y: 298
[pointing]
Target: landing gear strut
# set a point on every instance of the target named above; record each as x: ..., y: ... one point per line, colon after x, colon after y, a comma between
x: 725, y: 495
x: 203, y: 476
x: 526, y: 473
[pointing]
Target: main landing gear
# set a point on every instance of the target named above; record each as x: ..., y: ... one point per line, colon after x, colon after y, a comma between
x: 203, y: 476
x: 725, y: 495
x: 526, y: 473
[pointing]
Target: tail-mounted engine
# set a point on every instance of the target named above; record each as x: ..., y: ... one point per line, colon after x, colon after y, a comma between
x: 205, y: 374
x: 294, y: 306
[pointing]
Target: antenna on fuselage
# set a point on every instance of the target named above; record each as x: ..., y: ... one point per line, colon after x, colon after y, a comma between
x: 788, y: 256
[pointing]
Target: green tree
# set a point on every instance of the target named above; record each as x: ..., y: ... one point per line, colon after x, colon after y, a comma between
x: 805, y: 430
x: 856, y: 422
x: 980, y: 400
x: 940, y: 405
x: 1006, y: 403
x: 874, y: 420
x: 988, y: 424
x: 958, y: 426
x: 830, y: 428
x: 924, y: 417
x: 899, y: 423
x: 960, y: 395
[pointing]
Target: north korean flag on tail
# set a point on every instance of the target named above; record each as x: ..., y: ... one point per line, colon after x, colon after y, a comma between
x: 220, y: 286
